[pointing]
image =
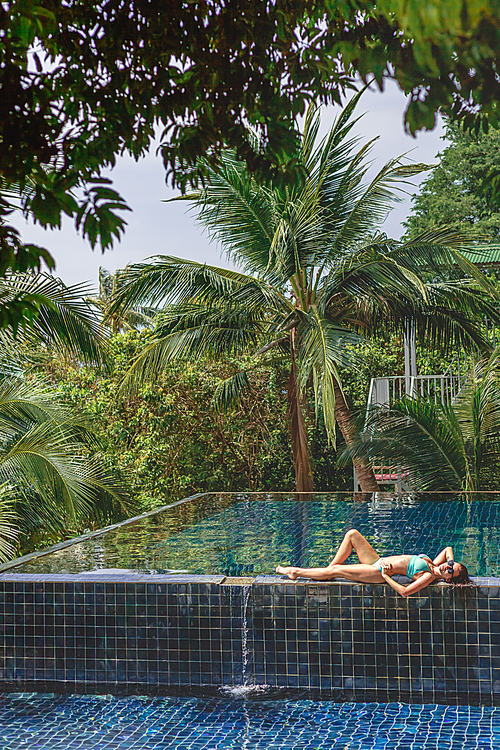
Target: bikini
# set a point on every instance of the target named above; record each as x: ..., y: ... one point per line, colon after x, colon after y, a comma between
x: 417, y: 564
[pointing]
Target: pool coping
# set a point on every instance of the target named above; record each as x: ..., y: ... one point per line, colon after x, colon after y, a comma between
x: 478, y: 582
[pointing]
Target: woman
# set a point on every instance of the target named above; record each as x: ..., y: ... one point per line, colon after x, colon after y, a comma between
x: 375, y: 569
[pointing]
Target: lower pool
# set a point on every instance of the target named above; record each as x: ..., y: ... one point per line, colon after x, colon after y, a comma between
x: 37, y: 720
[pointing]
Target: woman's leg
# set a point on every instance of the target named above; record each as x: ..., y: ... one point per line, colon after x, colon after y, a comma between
x: 319, y: 574
x: 364, y: 573
x: 353, y: 540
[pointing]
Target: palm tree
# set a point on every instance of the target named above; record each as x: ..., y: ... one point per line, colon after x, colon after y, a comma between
x: 45, y: 463
x: 313, y: 277
x: 443, y: 446
x: 126, y: 320
x: 51, y: 474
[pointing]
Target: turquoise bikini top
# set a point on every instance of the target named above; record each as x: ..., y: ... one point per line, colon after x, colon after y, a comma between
x: 417, y: 564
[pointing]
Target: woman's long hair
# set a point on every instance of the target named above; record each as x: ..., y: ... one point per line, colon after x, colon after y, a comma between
x: 462, y: 577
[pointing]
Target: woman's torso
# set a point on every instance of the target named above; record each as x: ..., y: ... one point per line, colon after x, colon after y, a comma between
x: 409, y: 565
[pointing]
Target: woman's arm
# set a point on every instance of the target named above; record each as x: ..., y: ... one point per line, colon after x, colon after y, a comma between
x: 424, y: 580
x: 444, y: 555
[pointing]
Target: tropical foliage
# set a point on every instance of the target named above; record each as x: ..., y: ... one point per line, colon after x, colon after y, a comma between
x: 443, y: 446
x: 169, y: 440
x: 9, y: 530
x: 83, y: 82
x: 49, y: 461
x: 109, y: 285
x: 52, y: 479
x: 63, y: 318
x: 313, y: 275
x: 455, y: 193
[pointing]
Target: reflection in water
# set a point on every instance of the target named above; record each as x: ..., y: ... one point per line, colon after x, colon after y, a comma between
x: 246, y: 534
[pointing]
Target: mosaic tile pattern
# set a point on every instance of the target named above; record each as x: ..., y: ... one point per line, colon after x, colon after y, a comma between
x: 354, y: 640
x: 366, y: 640
x: 107, y: 632
x: 56, y: 722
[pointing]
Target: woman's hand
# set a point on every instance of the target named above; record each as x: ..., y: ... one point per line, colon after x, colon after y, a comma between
x: 386, y: 568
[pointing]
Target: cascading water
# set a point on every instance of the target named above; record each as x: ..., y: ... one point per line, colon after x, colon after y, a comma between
x: 241, y: 691
x: 244, y: 634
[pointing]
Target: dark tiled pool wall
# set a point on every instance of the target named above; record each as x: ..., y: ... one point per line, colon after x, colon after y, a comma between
x: 353, y: 640
x: 366, y: 640
x: 121, y: 632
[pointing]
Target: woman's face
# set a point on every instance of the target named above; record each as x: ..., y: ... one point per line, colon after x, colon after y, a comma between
x: 444, y: 571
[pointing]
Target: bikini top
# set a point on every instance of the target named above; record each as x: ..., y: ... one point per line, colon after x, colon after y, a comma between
x: 417, y: 564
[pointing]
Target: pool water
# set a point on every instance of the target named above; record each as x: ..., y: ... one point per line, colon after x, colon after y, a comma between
x: 70, y: 722
x: 248, y: 534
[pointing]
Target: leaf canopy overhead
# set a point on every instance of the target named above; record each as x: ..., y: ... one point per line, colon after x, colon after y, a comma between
x: 82, y: 82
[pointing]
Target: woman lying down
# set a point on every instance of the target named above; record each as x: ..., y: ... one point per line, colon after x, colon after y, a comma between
x: 375, y: 569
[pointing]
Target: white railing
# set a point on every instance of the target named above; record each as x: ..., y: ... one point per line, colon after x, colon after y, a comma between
x: 443, y: 388
x: 385, y: 391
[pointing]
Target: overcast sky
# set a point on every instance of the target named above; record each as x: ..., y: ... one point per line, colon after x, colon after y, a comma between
x: 158, y: 228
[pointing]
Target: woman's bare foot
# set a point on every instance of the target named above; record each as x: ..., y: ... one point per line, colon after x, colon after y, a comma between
x: 292, y: 573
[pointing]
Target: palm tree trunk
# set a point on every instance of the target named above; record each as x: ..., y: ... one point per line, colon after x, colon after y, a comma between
x: 301, y: 462
x: 364, y: 471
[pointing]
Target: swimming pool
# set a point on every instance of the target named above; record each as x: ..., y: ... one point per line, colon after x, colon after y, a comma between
x: 247, y: 534
x: 107, y: 612
x: 51, y: 721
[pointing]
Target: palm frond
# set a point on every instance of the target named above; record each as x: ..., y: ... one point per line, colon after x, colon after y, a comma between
x: 441, y: 445
x: 371, y: 206
x: 334, y: 152
x: 228, y: 392
x: 381, y: 288
x: 195, y: 331
x: 28, y: 401
x: 238, y: 213
x: 477, y: 409
x: 368, y: 273
x: 8, y: 522
x: 44, y: 448
x: 422, y: 437
x: 64, y: 319
x: 454, y: 315
x: 47, y: 458
x: 298, y: 237
x: 323, y: 348
x: 163, y: 280
x: 17, y: 194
